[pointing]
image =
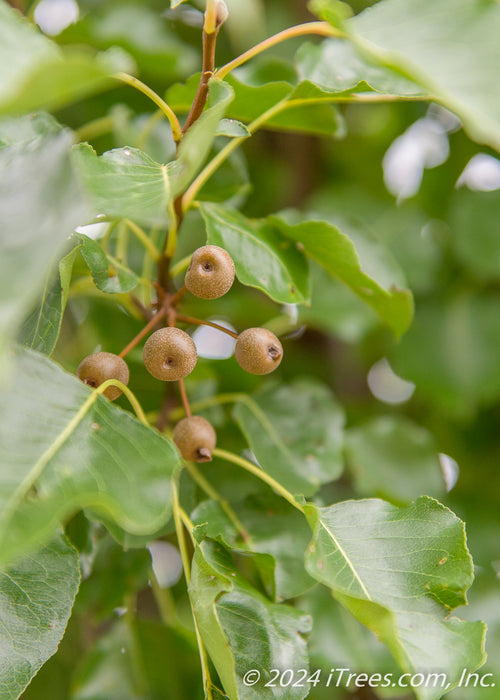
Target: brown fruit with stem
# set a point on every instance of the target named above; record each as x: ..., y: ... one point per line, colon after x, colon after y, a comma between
x: 258, y: 351
x: 195, y: 438
x: 95, y: 369
x: 210, y: 273
x: 169, y: 354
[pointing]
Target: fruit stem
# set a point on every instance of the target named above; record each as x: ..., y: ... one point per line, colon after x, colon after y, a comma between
x: 200, y: 322
x: 148, y: 327
x: 320, y: 28
x: 178, y: 296
x: 217, y: 400
x: 214, y: 495
x: 185, y: 402
x: 260, y: 474
x: 159, y: 102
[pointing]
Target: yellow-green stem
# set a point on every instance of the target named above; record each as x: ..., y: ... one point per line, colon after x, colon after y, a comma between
x: 94, y: 128
x: 177, y: 413
x: 213, y: 494
x: 129, y: 394
x: 225, y: 152
x: 319, y: 28
x: 154, y: 97
x: 259, y: 473
x: 179, y: 529
x: 146, y: 242
x: 148, y: 127
x: 180, y: 266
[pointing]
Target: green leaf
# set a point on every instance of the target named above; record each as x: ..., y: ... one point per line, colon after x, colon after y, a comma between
x: 298, y: 453
x: 160, y: 55
x: 125, y: 183
x: 274, y: 529
x: 35, y: 72
x: 474, y: 227
x: 36, y: 597
x: 361, y: 264
x: 338, y: 640
x: 114, y: 574
x: 460, y: 369
x: 335, y: 309
x: 41, y: 329
x: 252, y: 97
x: 196, y: 144
x: 333, y: 11
x: 302, y: 110
x: 401, y: 571
x: 232, y: 128
x: 337, y: 65
x: 242, y: 630
x: 263, y: 258
x: 109, y: 275
x: 168, y: 664
x: 38, y: 214
x: 19, y: 129
x: 393, y: 458
x: 63, y: 448
x: 449, y: 47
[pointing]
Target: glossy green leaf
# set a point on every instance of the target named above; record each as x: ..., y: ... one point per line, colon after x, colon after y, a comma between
x: 63, y: 448
x: 401, y: 571
x: 336, y: 65
x: 358, y: 261
x: 36, y: 597
x: 125, y: 183
x: 302, y: 111
x: 274, y: 529
x: 298, y: 453
x: 393, y: 458
x: 195, y: 146
x: 474, y: 231
x: 338, y: 640
x: 263, y: 258
x: 449, y: 47
x: 109, y: 275
x: 451, y: 352
x: 242, y: 630
x: 36, y: 73
x: 304, y: 107
x: 232, y: 128
x: 41, y: 329
x: 38, y: 214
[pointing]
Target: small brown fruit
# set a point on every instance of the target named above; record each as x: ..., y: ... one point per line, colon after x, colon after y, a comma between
x: 101, y: 366
x: 258, y: 351
x: 210, y: 273
x: 195, y: 438
x: 169, y: 354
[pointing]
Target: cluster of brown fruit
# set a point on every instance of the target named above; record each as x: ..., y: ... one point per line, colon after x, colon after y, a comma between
x: 170, y: 354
